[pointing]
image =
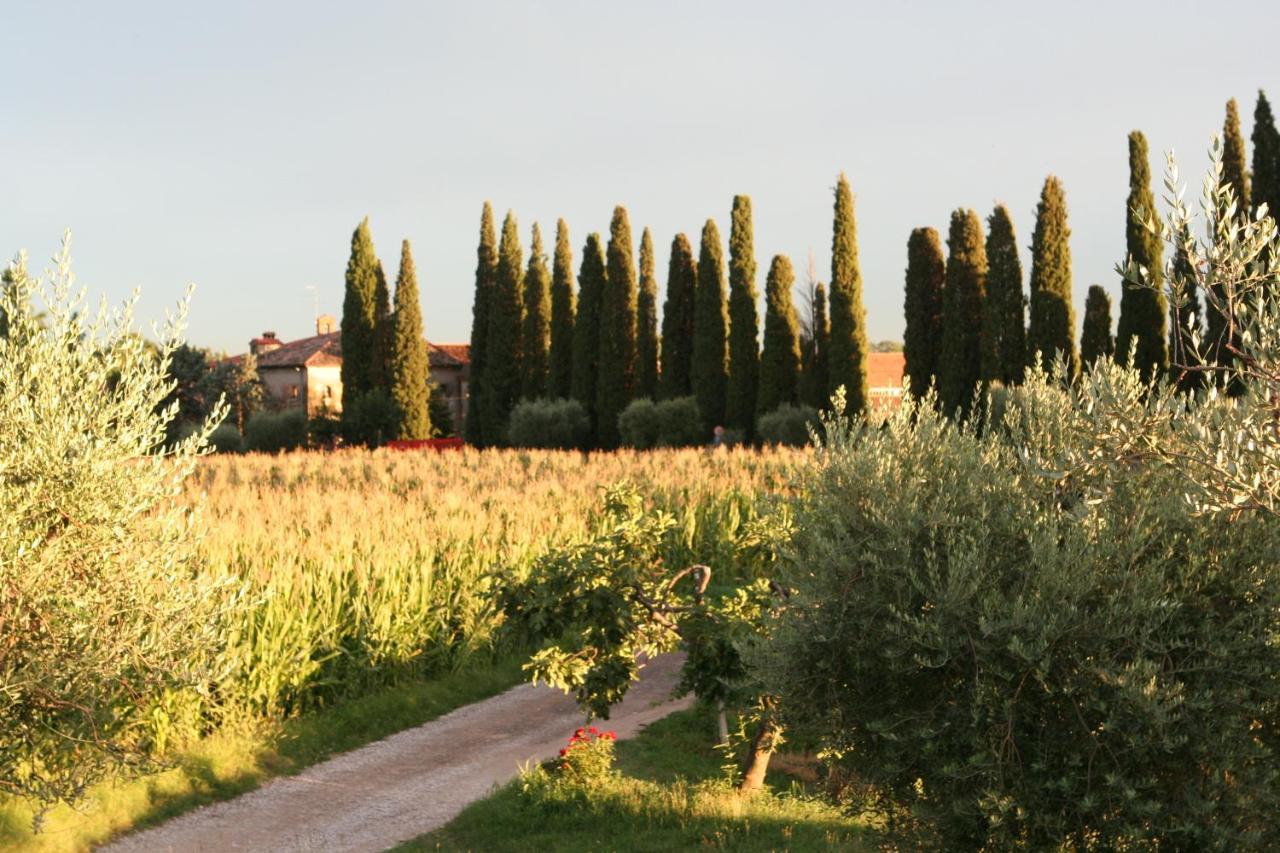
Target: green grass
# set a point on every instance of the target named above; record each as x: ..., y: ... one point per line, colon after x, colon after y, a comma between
x: 229, y: 763
x: 670, y: 794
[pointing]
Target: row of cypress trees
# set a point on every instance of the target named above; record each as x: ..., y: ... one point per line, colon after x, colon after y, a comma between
x: 966, y: 313
x: 384, y: 354
x: 967, y: 319
x: 534, y: 337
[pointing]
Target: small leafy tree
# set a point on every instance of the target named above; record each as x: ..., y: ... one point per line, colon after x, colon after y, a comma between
x: 627, y: 594
x: 99, y: 602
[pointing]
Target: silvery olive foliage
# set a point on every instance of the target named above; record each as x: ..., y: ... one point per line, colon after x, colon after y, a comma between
x: 1057, y: 625
x: 100, y: 608
x: 1226, y: 444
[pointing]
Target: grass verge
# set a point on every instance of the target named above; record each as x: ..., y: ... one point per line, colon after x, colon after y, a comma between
x: 669, y: 794
x: 229, y: 763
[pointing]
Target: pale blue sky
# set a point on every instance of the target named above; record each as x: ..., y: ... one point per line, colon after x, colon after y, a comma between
x: 236, y: 145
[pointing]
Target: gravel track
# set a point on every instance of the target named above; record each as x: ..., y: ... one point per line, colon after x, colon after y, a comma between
x: 408, y: 784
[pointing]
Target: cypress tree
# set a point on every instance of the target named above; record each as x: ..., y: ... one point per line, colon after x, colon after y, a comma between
x: 709, y: 364
x: 847, y: 359
x: 383, y: 332
x: 615, y: 387
x: 586, y: 327
x: 744, y: 321
x: 1266, y: 159
x: 1235, y: 172
x: 1053, y: 318
x: 922, y: 307
x: 959, y: 366
x: 1234, y: 175
x: 1184, y: 318
x: 780, y: 361
x: 409, y: 369
x: 563, y: 309
x: 486, y: 273
x: 677, y: 320
x: 535, y: 334
x: 647, y: 323
x: 359, y: 317
x: 816, y: 377
x: 502, y: 346
x: 1142, y: 309
x: 1004, y: 323
x: 1095, y: 332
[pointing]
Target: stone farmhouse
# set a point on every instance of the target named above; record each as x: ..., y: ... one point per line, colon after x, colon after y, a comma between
x: 308, y: 372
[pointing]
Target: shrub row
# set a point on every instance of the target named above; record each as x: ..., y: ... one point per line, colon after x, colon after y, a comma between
x: 646, y: 425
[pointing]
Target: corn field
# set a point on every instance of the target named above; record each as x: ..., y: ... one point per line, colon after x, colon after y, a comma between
x: 347, y: 571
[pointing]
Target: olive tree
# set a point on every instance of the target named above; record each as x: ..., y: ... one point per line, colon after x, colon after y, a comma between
x: 1064, y: 636
x: 104, y: 624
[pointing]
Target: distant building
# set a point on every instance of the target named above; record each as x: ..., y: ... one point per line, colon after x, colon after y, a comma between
x: 308, y: 372
x: 884, y: 381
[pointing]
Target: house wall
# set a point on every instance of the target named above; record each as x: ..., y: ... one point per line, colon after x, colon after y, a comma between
x: 324, y: 389
x: 452, y: 381
x: 284, y: 385
x: 321, y: 388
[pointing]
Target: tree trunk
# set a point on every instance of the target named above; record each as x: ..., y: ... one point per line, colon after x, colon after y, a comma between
x: 762, y: 747
x: 722, y: 723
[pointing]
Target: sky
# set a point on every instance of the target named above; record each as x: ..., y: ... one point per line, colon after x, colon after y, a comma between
x: 236, y: 145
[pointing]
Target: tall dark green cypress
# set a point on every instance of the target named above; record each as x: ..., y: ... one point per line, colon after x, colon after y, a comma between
x: 922, y: 308
x: 959, y: 356
x: 502, y: 347
x: 1052, y: 316
x: 647, y: 323
x: 563, y: 308
x: 586, y: 328
x: 677, y: 320
x: 1235, y: 169
x: 1095, y: 332
x: 1183, y: 358
x: 1266, y: 158
x: 815, y: 377
x: 409, y: 367
x: 359, y: 317
x: 847, y: 361
x: 535, y: 334
x: 710, y: 360
x: 780, y: 360
x: 744, y: 321
x: 1220, y: 344
x: 1142, y: 309
x: 1004, y: 320
x: 486, y: 272
x: 617, y: 381
x: 383, y: 332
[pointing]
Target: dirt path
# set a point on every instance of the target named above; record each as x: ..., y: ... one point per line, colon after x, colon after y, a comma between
x: 410, y: 783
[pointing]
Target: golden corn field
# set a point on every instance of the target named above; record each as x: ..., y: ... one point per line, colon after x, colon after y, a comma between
x: 354, y: 569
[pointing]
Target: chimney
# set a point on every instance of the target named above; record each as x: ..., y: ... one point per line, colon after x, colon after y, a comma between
x: 266, y: 343
x: 326, y: 324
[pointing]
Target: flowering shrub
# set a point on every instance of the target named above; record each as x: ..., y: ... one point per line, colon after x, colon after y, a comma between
x: 589, y: 755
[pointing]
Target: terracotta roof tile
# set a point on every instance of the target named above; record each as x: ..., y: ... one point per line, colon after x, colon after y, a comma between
x: 314, y: 351
x: 885, y: 369
x: 458, y: 354
x: 324, y: 350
